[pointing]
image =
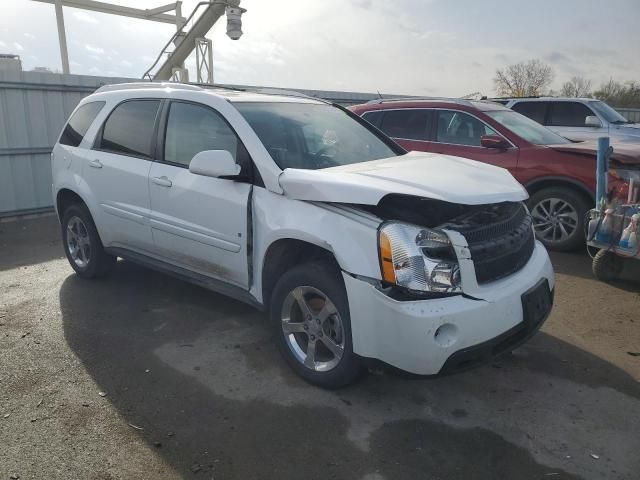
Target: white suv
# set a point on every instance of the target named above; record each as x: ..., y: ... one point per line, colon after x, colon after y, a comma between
x: 577, y: 119
x: 358, y: 250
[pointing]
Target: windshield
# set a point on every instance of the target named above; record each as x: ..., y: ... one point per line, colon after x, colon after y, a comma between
x: 608, y: 113
x: 312, y: 136
x: 526, y: 128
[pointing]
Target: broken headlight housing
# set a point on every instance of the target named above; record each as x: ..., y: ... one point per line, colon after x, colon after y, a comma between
x: 418, y: 259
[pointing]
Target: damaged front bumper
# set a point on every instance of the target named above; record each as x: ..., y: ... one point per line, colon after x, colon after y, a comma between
x: 428, y: 337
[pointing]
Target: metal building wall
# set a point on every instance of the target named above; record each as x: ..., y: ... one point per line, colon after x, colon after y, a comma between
x: 33, y: 109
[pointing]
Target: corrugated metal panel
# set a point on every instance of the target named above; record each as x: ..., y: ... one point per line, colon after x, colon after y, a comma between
x: 33, y: 109
x: 631, y: 114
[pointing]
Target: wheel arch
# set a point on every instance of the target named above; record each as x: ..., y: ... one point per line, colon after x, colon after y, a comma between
x: 283, y: 254
x: 538, y: 184
x: 66, y: 197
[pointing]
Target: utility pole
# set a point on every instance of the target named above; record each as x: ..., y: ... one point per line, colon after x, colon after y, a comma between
x: 62, y: 37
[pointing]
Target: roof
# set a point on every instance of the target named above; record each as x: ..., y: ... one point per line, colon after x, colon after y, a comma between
x: 551, y: 99
x: 231, y: 94
x: 433, y: 102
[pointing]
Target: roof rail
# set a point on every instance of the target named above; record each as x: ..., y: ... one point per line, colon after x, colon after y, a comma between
x: 460, y: 101
x: 147, y: 85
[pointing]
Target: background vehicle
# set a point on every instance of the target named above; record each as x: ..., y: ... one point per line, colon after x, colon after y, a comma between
x: 558, y: 174
x: 298, y: 207
x: 577, y: 118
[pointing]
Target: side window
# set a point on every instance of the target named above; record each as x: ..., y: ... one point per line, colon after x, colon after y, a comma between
x: 536, y: 111
x: 194, y: 128
x: 459, y: 128
x: 410, y: 123
x: 79, y: 123
x: 373, y: 117
x: 569, y: 114
x: 129, y: 128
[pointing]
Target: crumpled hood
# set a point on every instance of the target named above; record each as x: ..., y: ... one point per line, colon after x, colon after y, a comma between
x: 623, y: 153
x: 430, y: 175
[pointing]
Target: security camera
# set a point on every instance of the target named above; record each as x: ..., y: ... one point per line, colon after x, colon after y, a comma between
x: 234, y: 22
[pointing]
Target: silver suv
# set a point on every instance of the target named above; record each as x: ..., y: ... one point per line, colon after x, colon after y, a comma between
x: 577, y: 118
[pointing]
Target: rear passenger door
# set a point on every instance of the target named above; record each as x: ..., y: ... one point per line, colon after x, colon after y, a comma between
x: 199, y: 222
x: 458, y: 133
x: 117, y: 171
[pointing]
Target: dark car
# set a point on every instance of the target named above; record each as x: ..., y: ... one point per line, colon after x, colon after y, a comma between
x: 558, y: 174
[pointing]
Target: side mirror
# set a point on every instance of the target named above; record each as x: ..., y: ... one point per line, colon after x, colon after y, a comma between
x: 214, y: 163
x: 592, y: 121
x: 493, y: 141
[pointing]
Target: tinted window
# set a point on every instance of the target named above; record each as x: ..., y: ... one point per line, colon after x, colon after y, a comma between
x: 79, y: 123
x: 409, y: 123
x: 373, y: 117
x: 569, y: 114
x: 536, y: 111
x: 526, y: 128
x: 129, y: 128
x: 194, y: 128
x: 313, y: 136
x: 459, y: 128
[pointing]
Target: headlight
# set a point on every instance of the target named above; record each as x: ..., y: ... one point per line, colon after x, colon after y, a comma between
x: 419, y: 259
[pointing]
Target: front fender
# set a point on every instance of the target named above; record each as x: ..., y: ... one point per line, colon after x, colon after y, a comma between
x: 350, y: 237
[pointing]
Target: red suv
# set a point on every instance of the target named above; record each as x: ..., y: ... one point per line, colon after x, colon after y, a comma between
x: 558, y: 174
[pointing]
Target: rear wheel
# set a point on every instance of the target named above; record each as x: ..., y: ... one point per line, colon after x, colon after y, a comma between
x: 558, y: 218
x: 310, y: 317
x: 82, y: 244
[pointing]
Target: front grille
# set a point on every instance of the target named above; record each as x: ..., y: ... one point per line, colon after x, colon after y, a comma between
x: 500, y: 239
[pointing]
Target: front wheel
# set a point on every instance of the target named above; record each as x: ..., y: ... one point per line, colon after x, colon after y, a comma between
x: 607, y: 265
x: 558, y: 218
x: 310, y: 316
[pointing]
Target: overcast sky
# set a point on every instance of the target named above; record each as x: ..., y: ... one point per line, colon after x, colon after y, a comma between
x: 423, y: 47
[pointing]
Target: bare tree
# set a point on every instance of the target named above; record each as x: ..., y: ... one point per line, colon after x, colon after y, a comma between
x: 619, y: 94
x: 523, y: 79
x: 576, y: 87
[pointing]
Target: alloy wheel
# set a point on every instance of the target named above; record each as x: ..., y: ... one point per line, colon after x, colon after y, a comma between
x: 313, y: 329
x: 554, y: 220
x: 78, y: 242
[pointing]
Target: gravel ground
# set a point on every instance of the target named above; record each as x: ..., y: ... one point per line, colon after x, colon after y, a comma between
x: 143, y: 376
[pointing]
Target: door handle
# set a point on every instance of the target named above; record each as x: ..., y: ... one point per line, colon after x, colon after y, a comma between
x: 95, y: 163
x: 162, y: 181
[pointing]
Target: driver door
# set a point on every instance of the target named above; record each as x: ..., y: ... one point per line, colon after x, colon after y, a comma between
x: 198, y: 222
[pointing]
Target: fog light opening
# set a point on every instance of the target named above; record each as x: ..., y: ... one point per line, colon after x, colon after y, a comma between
x: 446, y: 335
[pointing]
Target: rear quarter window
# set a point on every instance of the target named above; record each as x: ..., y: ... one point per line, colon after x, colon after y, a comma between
x: 79, y: 123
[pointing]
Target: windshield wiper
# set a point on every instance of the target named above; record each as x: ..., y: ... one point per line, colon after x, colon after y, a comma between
x: 621, y: 122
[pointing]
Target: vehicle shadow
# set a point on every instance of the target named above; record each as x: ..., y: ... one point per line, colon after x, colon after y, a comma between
x: 198, y: 373
x: 29, y: 242
x: 578, y: 264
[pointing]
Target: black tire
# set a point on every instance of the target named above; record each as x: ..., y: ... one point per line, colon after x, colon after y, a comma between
x: 607, y: 266
x: 576, y: 202
x: 326, y: 279
x: 98, y: 263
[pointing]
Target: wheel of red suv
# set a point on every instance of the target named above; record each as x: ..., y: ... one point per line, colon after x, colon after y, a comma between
x: 82, y: 244
x: 607, y: 265
x: 558, y: 218
x: 310, y: 316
